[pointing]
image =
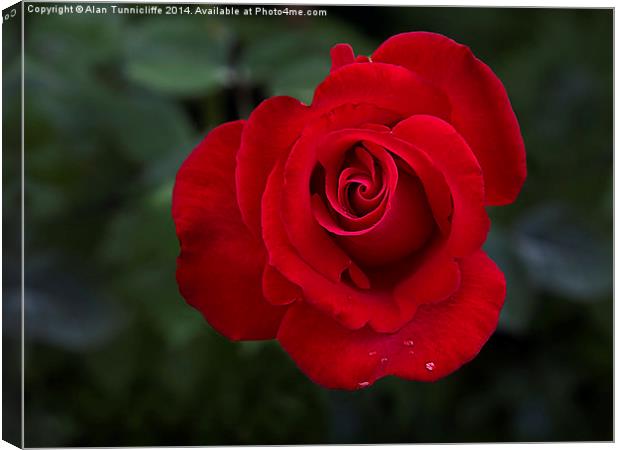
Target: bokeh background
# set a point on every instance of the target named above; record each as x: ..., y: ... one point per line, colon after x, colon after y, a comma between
x: 113, y: 104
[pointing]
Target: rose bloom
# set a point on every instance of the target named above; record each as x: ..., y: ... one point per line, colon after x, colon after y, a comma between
x: 350, y: 230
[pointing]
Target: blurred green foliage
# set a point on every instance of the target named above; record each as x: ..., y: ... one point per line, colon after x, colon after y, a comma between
x: 114, y: 356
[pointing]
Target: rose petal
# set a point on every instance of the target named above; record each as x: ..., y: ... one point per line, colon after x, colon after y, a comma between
x: 402, y: 228
x: 405, y: 227
x: 419, y: 164
x: 449, y: 152
x: 433, y: 277
x: 353, y: 226
x: 270, y: 132
x: 352, y: 307
x: 440, y: 338
x: 358, y: 192
x: 481, y: 110
x: 366, y: 159
x: 341, y: 54
x: 385, y: 86
x: 220, y: 265
x: 331, y: 154
x: 308, y: 238
x: 413, y: 290
x: 279, y: 290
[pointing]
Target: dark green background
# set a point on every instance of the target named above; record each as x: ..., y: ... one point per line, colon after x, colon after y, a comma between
x: 113, y: 104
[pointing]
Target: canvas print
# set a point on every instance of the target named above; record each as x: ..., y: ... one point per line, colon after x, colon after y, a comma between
x: 306, y: 224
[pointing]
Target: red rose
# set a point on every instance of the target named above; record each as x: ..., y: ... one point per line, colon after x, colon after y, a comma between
x: 351, y: 230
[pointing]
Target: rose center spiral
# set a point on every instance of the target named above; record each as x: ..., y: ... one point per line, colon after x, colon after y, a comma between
x: 377, y: 208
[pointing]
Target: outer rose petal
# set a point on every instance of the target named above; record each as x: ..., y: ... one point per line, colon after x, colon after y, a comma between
x: 385, y: 86
x: 270, y: 132
x: 438, y: 340
x: 436, y: 277
x: 481, y: 110
x: 220, y: 267
x: 342, y: 54
x: 440, y: 141
x: 279, y: 290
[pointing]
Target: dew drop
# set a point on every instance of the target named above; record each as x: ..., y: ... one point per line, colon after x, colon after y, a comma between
x: 363, y: 384
x: 411, y: 352
x: 408, y: 343
x: 430, y: 366
x: 384, y: 360
x: 372, y: 353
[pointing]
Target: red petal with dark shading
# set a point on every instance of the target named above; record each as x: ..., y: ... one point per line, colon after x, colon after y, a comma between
x: 433, y: 279
x: 278, y: 289
x: 481, y: 110
x: 437, y: 341
x: 270, y: 132
x: 405, y: 227
x: 352, y: 307
x: 220, y: 267
x: 384, y: 86
x: 450, y: 153
x: 306, y: 235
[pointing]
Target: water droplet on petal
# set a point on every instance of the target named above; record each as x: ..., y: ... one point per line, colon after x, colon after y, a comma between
x: 384, y: 360
x: 363, y: 384
x: 411, y: 352
x: 408, y: 343
x: 430, y: 366
x: 372, y: 353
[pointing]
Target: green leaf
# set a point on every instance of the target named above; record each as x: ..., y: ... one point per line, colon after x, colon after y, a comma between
x: 147, y: 128
x: 294, y: 62
x: 179, y: 57
x: 142, y: 127
x: 66, y: 307
x: 562, y: 256
x: 300, y: 78
x: 520, y: 302
x: 75, y: 41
